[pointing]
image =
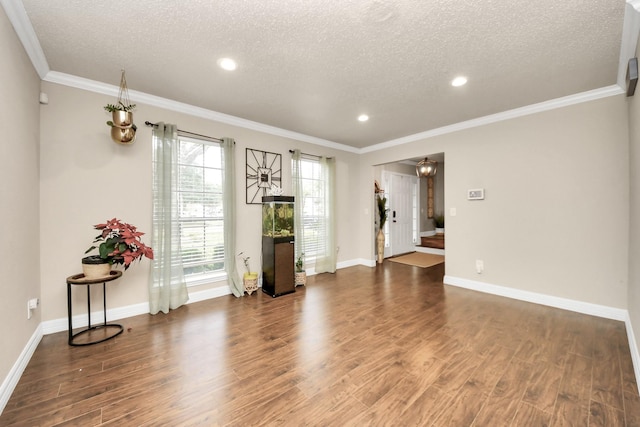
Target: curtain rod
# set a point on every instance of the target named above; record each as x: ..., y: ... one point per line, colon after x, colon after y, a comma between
x: 310, y: 155
x: 148, y: 123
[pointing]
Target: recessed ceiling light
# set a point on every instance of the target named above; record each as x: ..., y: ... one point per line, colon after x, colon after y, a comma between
x: 363, y: 117
x: 459, y: 81
x: 227, y: 64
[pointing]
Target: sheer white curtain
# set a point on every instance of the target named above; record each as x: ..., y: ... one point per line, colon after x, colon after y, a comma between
x: 167, y: 287
x: 229, y: 212
x: 296, y: 177
x: 326, y: 258
x: 325, y: 252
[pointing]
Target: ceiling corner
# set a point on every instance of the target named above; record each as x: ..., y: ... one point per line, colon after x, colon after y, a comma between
x: 22, y: 25
x: 630, y: 32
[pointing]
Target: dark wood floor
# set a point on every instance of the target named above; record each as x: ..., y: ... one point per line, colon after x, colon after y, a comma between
x: 389, y: 345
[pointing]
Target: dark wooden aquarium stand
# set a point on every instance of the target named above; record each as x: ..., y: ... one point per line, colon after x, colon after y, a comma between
x: 278, y: 276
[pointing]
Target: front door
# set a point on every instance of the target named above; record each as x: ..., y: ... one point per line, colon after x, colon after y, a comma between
x: 402, y: 215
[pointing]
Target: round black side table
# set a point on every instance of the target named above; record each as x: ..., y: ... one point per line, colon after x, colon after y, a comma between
x: 79, y: 279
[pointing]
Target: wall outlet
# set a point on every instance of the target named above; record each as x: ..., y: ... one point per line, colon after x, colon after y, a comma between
x: 31, y: 305
x: 479, y: 266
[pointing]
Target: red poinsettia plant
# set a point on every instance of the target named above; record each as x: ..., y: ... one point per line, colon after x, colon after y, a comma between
x: 121, y: 243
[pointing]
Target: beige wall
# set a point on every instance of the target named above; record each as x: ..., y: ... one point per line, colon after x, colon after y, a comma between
x: 555, y: 217
x: 555, y: 220
x: 87, y: 178
x: 19, y: 251
x: 634, y: 214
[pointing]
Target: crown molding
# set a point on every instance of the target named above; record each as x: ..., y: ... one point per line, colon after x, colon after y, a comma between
x: 498, y: 117
x: 180, y: 107
x: 22, y: 25
x: 17, y: 15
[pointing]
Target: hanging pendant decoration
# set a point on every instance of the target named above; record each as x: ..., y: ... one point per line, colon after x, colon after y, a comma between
x: 123, y: 130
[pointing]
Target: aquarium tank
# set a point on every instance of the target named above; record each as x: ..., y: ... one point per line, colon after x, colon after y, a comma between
x: 277, y: 216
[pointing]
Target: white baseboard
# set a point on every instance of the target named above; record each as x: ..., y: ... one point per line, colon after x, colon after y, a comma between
x: 548, y: 300
x: 80, y: 320
x: 357, y: 261
x: 60, y: 325
x: 10, y: 382
x: 220, y: 291
x: 433, y: 251
x: 633, y: 348
x: 345, y: 264
x: 562, y: 303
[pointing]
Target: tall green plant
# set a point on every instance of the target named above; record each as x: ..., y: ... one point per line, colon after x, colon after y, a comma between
x: 382, y: 210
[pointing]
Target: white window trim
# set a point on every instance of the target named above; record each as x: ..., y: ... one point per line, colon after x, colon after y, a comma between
x: 211, y: 278
x: 218, y: 275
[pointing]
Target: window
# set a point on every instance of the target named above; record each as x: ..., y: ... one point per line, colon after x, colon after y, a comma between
x: 200, y: 219
x: 313, y: 209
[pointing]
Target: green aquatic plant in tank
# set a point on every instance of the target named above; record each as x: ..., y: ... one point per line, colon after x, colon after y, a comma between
x: 277, y: 219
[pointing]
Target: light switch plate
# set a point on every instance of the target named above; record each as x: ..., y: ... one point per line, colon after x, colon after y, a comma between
x: 475, y: 194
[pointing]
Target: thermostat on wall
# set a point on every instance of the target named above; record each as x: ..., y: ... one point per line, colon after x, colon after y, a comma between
x: 477, y: 194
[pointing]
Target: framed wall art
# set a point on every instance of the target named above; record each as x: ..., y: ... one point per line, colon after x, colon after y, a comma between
x: 263, y: 169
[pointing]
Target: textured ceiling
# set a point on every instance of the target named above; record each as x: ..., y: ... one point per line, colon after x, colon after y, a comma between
x: 312, y: 66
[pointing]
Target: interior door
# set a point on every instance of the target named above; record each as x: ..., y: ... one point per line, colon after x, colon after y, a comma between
x: 401, y: 214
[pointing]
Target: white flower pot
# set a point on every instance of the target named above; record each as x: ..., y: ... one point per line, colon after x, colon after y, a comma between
x: 301, y: 278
